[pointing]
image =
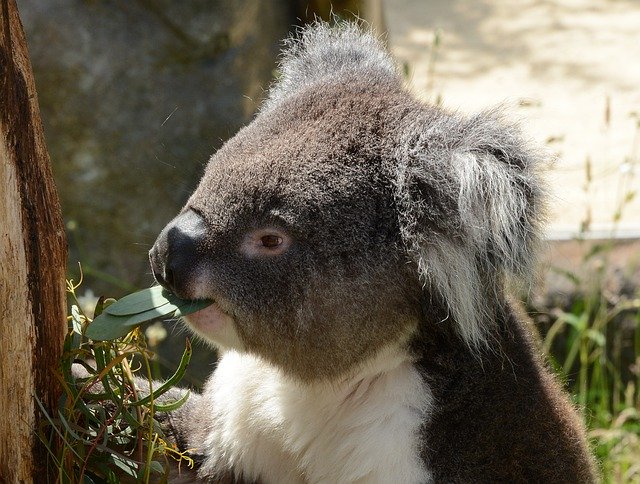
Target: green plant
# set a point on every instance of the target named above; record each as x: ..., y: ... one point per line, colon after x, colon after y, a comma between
x: 586, y: 346
x: 594, y: 341
x: 106, y: 428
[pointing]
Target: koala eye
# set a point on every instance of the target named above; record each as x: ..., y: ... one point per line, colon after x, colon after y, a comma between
x: 271, y: 241
x: 265, y: 242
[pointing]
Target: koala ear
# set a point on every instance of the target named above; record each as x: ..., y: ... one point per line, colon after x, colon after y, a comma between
x: 471, y: 207
x: 322, y: 52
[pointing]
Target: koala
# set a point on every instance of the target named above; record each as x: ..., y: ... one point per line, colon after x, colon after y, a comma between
x: 357, y: 244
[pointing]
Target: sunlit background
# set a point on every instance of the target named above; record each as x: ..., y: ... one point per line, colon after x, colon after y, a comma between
x: 137, y: 94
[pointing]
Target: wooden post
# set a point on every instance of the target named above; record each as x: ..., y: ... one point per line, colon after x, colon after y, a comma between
x: 32, y: 262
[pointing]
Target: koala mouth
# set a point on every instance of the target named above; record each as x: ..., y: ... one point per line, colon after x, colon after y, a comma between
x: 209, y: 319
x: 212, y: 323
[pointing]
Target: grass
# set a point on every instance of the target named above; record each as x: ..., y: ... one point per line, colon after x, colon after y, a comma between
x: 594, y: 345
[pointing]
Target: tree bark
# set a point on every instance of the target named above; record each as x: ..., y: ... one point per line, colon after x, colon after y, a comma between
x: 32, y: 262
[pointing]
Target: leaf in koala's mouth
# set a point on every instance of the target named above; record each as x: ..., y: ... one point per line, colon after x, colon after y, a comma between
x: 189, y: 307
x: 122, y: 316
x: 138, y: 302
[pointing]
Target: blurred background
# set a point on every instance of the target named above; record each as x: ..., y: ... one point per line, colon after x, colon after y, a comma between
x: 137, y: 94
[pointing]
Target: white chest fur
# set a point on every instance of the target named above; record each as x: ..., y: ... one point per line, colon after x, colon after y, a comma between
x: 362, y: 429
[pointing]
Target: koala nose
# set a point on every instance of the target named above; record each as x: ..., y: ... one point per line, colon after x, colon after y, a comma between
x: 175, y: 254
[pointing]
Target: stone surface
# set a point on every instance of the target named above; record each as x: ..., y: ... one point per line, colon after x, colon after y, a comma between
x: 135, y: 97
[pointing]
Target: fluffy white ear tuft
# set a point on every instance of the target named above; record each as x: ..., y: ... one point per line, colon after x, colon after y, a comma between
x: 471, y: 209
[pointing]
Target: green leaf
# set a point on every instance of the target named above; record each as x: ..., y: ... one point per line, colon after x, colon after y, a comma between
x: 76, y: 319
x: 154, y: 466
x: 99, y: 306
x: 597, y: 337
x: 188, y: 307
x: 171, y: 406
x: 119, y: 318
x: 172, y: 380
x: 138, y: 302
x: 108, y: 327
x: 126, y: 465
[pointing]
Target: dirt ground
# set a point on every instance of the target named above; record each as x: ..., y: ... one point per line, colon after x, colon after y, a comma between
x: 569, y: 70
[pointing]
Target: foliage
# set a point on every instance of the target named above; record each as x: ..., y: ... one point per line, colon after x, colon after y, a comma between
x: 106, y: 428
x: 595, y: 347
x: 149, y: 304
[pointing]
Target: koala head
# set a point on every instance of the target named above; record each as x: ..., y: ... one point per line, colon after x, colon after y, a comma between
x: 330, y: 226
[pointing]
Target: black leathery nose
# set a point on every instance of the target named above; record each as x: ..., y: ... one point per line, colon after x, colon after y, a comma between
x: 175, y: 254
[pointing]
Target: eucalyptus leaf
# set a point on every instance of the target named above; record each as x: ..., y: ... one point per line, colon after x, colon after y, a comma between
x: 171, y: 406
x: 138, y: 302
x: 188, y: 307
x: 108, y: 327
x: 76, y: 319
x: 154, y: 466
x: 128, y: 466
x: 120, y: 317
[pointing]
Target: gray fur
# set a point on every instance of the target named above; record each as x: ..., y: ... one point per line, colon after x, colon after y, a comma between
x: 487, y: 184
x: 481, y: 164
x: 324, y: 53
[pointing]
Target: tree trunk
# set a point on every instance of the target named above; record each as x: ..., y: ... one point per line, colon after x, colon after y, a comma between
x: 32, y: 263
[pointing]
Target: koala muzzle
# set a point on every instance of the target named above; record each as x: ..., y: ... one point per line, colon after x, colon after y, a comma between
x: 175, y: 255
